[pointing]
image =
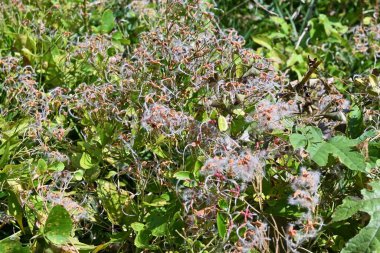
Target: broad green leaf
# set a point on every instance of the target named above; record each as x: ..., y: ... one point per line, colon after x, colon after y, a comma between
x: 285, y: 27
x: 326, y: 24
x: 107, y: 22
x: 41, y: 166
x: 239, y: 112
x: 222, y: 123
x: 355, y: 121
x: 142, y: 239
x: 117, y: 203
x: 368, y: 239
x: 58, y: 226
x: 57, y: 166
x: 13, y: 245
x: 298, y: 140
x: 157, y: 222
x: 137, y: 226
x: 15, y: 209
x: 340, y: 147
x: 78, y: 175
x: 182, y: 175
x: 221, y: 224
x: 86, y: 161
x: 319, y: 152
x: 312, y: 134
x: 293, y: 59
x: 349, y: 207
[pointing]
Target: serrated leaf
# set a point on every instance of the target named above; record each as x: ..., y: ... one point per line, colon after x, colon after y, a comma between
x: 58, y: 226
x: 343, y: 150
x: 349, y: 207
x: 298, y: 140
x: 340, y: 147
x: 368, y: 239
x: 222, y: 123
x: 319, y: 152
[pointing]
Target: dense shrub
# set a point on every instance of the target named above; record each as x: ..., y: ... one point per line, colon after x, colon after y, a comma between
x: 146, y: 126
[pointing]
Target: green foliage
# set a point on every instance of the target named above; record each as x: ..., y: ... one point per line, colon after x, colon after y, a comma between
x: 116, y: 203
x: 58, y: 226
x: 152, y: 126
x: 368, y: 238
x: 12, y: 245
x: 340, y: 147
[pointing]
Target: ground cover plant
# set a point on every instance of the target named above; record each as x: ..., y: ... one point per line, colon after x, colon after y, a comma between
x: 189, y: 126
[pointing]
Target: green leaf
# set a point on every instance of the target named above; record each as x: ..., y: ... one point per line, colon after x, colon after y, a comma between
x: 342, y: 148
x: 182, y: 175
x: 221, y: 224
x: 263, y: 40
x: 355, y: 122
x: 5, y: 154
x: 78, y: 175
x: 137, y: 226
x: 107, y: 22
x: 368, y: 239
x: 239, y: 70
x: 13, y: 245
x: 222, y: 203
x: 142, y: 239
x: 58, y: 226
x: 57, y: 166
x: 319, y: 152
x: 222, y: 123
x: 298, y: 140
x: 349, y: 207
x: 157, y: 222
x: 86, y: 161
x: 15, y: 209
x: 81, y: 247
x: 117, y: 203
x: 41, y: 165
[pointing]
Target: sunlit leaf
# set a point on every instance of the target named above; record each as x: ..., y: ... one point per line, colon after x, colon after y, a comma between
x: 58, y: 226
